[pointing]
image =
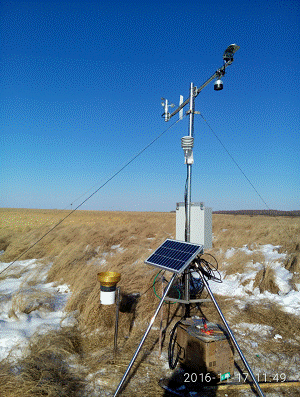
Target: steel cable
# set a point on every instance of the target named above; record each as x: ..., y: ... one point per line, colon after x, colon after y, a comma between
x: 249, y: 181
x: 97, y: 190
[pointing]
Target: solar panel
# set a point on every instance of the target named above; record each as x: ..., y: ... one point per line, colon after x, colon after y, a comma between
x: 174, y: 255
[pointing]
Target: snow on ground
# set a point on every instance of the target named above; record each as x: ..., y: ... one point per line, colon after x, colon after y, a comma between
x: 26, y: 281
x: 102, y: 260
x: 44, y: 310
x: 28, y: 304
x: 240, y: 285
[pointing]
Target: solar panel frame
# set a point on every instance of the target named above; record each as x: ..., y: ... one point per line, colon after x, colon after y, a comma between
x: 174, y: 255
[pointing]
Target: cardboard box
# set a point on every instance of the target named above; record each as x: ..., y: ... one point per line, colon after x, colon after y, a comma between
x: 203, y: 352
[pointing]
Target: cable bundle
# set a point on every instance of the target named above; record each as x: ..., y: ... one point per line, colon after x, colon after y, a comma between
x: 208, y: 269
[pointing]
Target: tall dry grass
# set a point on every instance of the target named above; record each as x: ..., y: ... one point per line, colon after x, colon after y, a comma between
x: 91, y: 241
x: 236, y: 231
x: 44, y: 369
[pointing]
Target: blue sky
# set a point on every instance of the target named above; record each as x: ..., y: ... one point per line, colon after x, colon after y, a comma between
x: 81, y: 84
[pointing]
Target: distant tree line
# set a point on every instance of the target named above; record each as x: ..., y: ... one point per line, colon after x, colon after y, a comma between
x: 260, y: 212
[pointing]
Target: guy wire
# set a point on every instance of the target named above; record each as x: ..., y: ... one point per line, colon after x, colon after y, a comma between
x: 235, y: 162
x: 105, y: 183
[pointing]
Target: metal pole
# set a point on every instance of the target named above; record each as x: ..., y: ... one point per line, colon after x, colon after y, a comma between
x: 161, y: 321
x: 145, y: 336
x: 189, y: 199
x: 189, y: 166
x: 117, y: 321
x: 231, y: 335
x: 166, y: 110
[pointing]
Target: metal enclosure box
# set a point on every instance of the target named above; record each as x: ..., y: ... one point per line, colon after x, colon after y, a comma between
x: 204, y: 353
x: 201, y: 224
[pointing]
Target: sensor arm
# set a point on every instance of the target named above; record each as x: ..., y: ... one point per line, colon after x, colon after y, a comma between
x: 219, y: 72
x: 197, y: 92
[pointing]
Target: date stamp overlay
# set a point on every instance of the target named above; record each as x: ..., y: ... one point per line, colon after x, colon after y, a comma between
x: 193, y: 377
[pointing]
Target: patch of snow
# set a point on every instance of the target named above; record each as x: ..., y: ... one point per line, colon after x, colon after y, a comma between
x: 232, y: 285
x: 18, y: 265
x: 70, y: 319
x: 246, y: 250
x: 282, y: 277
x: 45, y: 311
x: 97, y: 261
x: 270, y: 252
x: 262, y: 330
x: 290, y: 302
x: 64, y: 288
x: 118, y: 248
x: 229, y: 253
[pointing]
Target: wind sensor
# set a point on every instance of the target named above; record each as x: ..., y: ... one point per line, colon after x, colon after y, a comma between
x: 228, y: 59
x: 229, y: 52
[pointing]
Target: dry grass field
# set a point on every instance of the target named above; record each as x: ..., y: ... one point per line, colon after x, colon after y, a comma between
x: 78, y: 360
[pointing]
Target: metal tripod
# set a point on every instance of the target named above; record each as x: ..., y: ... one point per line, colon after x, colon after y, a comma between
x: 220, y: 314
x: 145, y: 336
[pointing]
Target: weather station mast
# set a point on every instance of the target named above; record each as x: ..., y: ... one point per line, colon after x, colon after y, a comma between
x: 187, y: 144
x: 180, y: 256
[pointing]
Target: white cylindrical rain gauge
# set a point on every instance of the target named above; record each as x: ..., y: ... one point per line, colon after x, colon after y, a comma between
x: 108, y: 286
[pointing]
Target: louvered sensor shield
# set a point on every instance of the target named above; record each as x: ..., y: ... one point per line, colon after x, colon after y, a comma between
x: 174, y: 256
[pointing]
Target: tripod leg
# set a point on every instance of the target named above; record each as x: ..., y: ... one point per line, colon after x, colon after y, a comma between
x: 145, y: 336
x: 232, y: 336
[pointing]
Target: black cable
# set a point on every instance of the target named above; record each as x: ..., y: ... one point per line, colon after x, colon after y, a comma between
x: 114, y: 175
x: 173, y: 342
x: 208, y: 269
x: 185, y: 206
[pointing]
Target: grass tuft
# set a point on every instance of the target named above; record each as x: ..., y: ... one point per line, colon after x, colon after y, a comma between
x: 44, y: 369
x: 265, y: 281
